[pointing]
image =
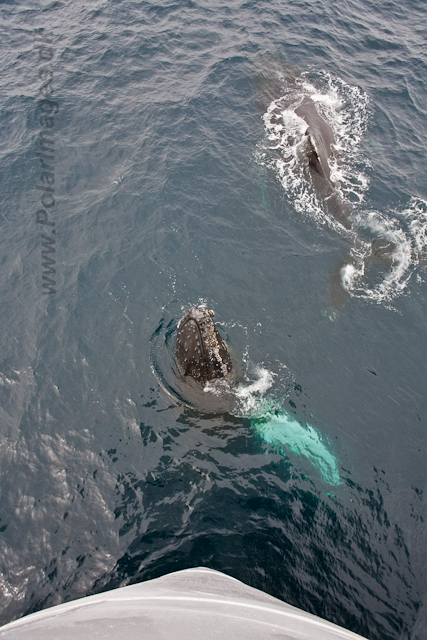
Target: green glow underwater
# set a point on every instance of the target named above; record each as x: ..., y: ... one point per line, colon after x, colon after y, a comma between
x: 285, y: 432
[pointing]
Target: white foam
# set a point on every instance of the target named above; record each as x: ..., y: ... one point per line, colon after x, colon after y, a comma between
x: 407, y: 230
x: 217, y: 387
x: 250, y: 393
x: 416, y: 217
x: 349, y: 275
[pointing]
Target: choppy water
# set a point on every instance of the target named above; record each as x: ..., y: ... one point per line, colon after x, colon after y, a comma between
x: 179, y: 180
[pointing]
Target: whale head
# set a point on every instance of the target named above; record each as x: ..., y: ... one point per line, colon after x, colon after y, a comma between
x: 200, y: 351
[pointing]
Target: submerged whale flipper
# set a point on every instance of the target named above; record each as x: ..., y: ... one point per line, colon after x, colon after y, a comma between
x: 200, y: 352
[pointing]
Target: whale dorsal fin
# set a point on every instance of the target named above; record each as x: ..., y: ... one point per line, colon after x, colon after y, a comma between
x: 313, y: 157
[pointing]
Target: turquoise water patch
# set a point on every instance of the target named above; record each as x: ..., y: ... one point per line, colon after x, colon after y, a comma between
x: 289, y: 435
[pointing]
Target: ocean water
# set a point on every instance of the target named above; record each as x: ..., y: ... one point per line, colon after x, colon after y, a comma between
x: 171, y: 172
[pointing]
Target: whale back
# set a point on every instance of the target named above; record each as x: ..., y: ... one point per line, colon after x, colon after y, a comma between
x: 320, y: 137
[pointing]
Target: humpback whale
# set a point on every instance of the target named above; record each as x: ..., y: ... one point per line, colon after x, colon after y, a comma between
x: 202, y: 356
x: 200, y: 351
x: 319, y: 150
x: 311, y: 143
x: 283, y: 91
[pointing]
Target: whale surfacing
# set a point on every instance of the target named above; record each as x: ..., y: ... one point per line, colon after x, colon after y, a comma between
x: 319, y: 152
x: 320, y: 135
x: 200, y: 351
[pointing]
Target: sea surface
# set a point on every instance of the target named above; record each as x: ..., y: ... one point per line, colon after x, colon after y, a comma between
x: 152, y: 160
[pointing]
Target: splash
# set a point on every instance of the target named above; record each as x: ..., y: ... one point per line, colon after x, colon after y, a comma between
x: 405, y: 232
x: 250, y: 394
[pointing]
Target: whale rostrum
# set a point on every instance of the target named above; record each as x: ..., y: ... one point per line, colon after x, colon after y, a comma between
x: 200, y: 351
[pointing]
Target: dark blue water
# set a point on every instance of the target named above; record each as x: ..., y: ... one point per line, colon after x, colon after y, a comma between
x: 172, y: 188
